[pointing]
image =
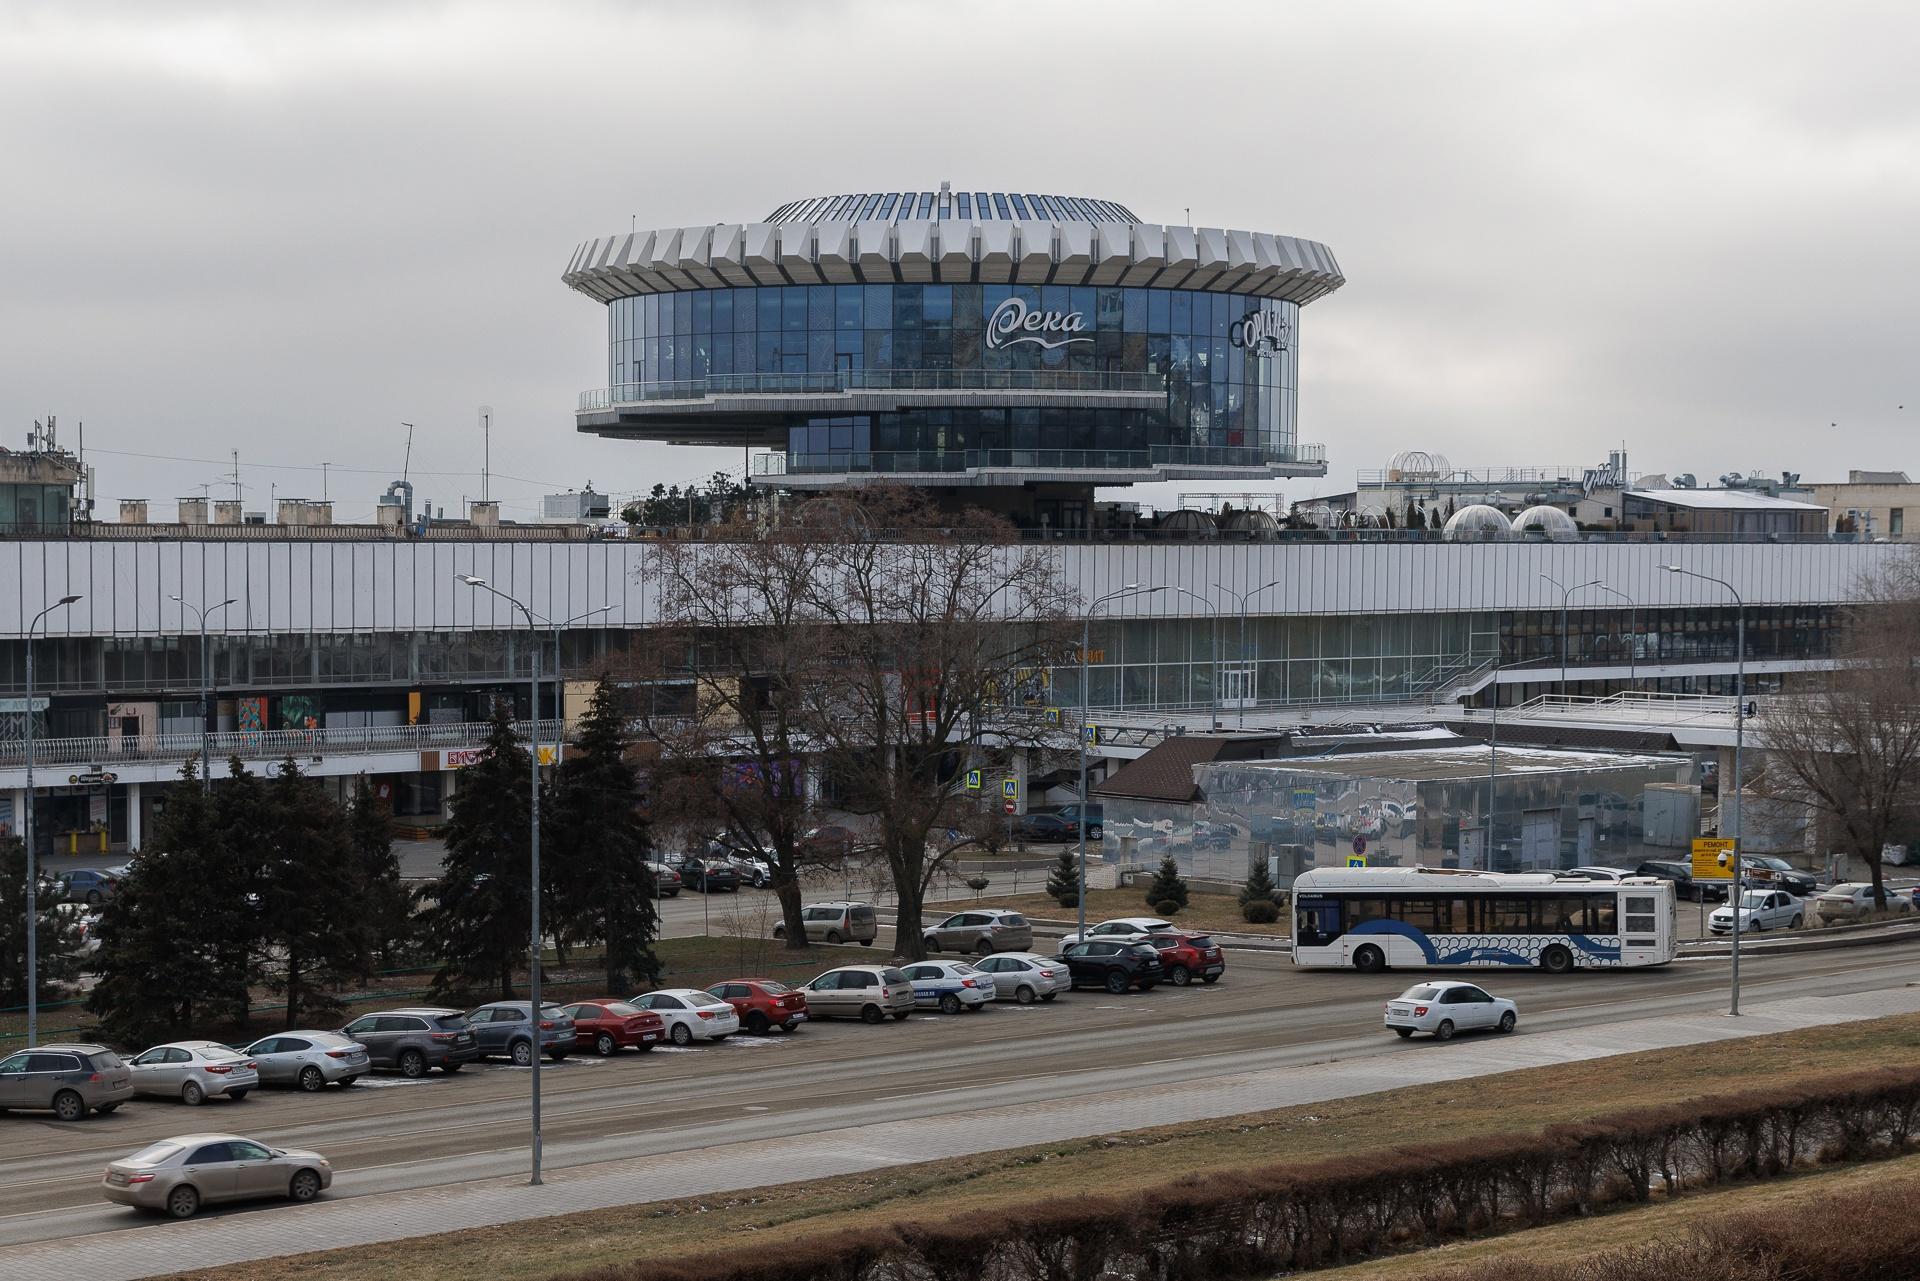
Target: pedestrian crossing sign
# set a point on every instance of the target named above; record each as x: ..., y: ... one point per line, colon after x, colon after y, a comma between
x: 973, y: 780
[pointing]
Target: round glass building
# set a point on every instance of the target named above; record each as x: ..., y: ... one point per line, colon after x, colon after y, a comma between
x: 967, y: 341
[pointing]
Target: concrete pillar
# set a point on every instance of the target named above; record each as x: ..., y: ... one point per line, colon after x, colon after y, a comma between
x: 133, y: 817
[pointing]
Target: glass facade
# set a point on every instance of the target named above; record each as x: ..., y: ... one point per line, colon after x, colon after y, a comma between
x: 1227, y: 363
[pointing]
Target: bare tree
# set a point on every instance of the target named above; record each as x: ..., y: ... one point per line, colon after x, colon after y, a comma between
x: 927, y: 621
x: 1847, y: 743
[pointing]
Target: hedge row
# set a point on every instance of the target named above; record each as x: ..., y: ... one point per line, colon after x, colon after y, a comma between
x: 1869, y: 1235
x: 1282, y: 1218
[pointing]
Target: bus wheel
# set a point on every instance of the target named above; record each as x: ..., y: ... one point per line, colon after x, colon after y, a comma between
x: 1369, y: 960
x: 1556, y: 960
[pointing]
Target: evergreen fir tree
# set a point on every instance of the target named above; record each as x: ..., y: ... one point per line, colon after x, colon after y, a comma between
x: 313, y: 899
x: 476, y: 924
x: 166, y: 963
x: 57, y: 937
x: 1063, y: 878
x: 600, y: 844
x: 1167, y: 887
x: 389, y: 913
x: 1259, y: 886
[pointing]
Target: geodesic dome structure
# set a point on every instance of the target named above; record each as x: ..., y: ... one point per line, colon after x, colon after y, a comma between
x: 1477, y: 521
x: 1550, y: 521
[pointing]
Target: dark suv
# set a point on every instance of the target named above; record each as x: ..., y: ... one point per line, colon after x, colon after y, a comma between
x: 414, y: 1040
x: 1115, y: 964
x: 708, y: 874
x: 1681, y: 874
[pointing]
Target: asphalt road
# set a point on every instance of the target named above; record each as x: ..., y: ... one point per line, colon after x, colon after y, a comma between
x: 387, y: 1134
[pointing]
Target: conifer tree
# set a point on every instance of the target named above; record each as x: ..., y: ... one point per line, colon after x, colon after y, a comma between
x: 57, y: 937
x: 1063, y: 878
x: 1259, y: 886
x: 388, y: 910
x: 1167, y: 886
x: 313, y: 897
x: 476, y: 914
x: 600, y: 844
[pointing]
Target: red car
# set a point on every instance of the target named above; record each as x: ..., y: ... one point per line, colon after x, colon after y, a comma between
x: 606, y: 1027
x: 1188, y: 957
x: 763, y: 1004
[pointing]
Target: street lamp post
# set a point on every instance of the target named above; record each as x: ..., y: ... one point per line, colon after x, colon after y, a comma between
x: 533, y: 926
x: 1241, y: 598
x: 206, y: 681
x: 1213, y: 685
x: 1086, y: 639
x: 1565, y: 594
x: 1633, y: 632
x: 33, y: 896
x: 1739, y: 742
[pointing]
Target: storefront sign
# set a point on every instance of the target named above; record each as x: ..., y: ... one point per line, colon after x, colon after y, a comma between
x: 1013, y: 322
x: 1260, y: 331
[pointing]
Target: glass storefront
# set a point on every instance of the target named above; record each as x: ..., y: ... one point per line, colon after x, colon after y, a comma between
x: 1227, y: 362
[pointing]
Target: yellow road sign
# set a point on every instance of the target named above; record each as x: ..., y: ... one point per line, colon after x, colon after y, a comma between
x: 1712, y: 858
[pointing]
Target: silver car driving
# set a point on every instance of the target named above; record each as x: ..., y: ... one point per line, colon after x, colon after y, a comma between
x: 309, y: 1059
x: 193, y: 1072
x: 181, y: 1174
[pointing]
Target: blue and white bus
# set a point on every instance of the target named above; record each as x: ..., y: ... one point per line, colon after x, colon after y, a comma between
x: 1376, y: 918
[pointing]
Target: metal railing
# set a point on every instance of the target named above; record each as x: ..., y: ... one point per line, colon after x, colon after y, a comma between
x: 301, y: 744
x: 841, y: 381
x: 961, y: 460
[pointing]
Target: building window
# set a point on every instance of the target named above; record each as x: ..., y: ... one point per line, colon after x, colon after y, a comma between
x: 1896, y: 522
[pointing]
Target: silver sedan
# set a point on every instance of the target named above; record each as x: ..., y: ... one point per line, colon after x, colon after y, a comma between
x: 193, y: 1072
x: 179, y: 1175
x: 309, y: 1059
x: 1024, y: 976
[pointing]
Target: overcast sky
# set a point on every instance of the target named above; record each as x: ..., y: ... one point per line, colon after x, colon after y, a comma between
x: 286, y: 229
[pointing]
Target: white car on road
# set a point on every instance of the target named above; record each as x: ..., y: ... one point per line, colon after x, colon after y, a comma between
x: 1448, y: 1007
x: 1024, y: 977
x: 1122, y: 927
x: 1760, y: 910
x: 690, y: 1014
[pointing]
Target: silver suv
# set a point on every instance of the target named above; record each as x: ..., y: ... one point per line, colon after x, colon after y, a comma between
x: 502, y: 1028
x: 981, y: 932
x: 66, y: 1080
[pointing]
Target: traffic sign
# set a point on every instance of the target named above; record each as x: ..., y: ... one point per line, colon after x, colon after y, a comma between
x: 1010, y: 788
x: 1356, y: 860
x: 1359, y: 845
x: 1091, y: 733
x: 1007, y: 806
x: 973, y: 780
x: 1712, y: 858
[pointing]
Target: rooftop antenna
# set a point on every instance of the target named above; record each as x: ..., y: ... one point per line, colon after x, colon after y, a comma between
x: 236, y: 475
x: 406, y: 467
x: 323, y: 481
x: 486, y: 448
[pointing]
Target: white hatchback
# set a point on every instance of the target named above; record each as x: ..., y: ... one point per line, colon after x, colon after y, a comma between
x: 1447, y: 1007
x: 690, y: 1014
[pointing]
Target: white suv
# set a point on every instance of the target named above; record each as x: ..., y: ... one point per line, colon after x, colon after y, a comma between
x: 1123, y: 927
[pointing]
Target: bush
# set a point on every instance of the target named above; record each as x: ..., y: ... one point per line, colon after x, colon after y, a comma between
x: 1167, y: 887
x: 1167, y: 907
x: 1260, y: 911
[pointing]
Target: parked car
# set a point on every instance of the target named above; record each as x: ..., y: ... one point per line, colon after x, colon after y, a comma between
x: 690, y: 1014
x: 763, y: 1004
x: 416, y: 1039
x: 1853, y: 900
x: 752, y: 869
x: 309, y: 1059
x: 505, y: 1028
x: 193, y: 1072
x: 828, y: 841
x: 1113, y: 963
x: 1593, y: 874
x: 709, y: 875
x: 662, y: 881
x: 1681, y: 874
x: 1095, y: 818
x: 867, y: 992
x: 1123, y: 927
x: 1768, y: 871
x: 181, y: 1174
x: 1448, y: 1007
x: 836, y: 923
x: 93, y: 886
x: 1023, y: 977
x: 1759, y: 910
x: 84, y: 921
x: 948, y: 986
x: 1189, y: 956
x: 607, y: 1027
x: 66, y: 1079
x: 983, y: 932
x: 1039, y: 826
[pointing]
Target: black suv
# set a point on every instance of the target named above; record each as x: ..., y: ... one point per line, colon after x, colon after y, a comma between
x: 1115, y: 964
x: 416, y: 1039
x: 709, y: 874
x: 1764, y: 871
x: 1681, y: 874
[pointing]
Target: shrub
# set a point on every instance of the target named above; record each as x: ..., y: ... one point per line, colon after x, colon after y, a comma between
x: 1260, y: 911
x: 1167, y: 887
x: 1166, y: 907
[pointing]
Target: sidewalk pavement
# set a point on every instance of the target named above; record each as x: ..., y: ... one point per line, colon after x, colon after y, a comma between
x: 161, y: 1247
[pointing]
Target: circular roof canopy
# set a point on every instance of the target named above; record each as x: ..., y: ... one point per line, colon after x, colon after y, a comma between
x: 1478, y: 521
x: 899, y: 206
x: 1550, y: 521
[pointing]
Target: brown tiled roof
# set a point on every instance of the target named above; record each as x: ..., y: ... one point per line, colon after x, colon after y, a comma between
x: 1165, y: 773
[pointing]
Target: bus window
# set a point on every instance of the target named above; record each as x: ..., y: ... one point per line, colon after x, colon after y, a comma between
x: 1506, y: 916
x: 1316, y: 921
x: 1602, y: 914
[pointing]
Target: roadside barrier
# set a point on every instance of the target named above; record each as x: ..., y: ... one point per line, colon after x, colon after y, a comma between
x: 1276, y: 1219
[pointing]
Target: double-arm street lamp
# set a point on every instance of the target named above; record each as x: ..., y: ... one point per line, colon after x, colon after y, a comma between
x: 206, y: 682
x: 1565, y: 594
x: 33, y: 876
x: 1736, y: 895
x: 1241, y: 599
x: 1086, y: 639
